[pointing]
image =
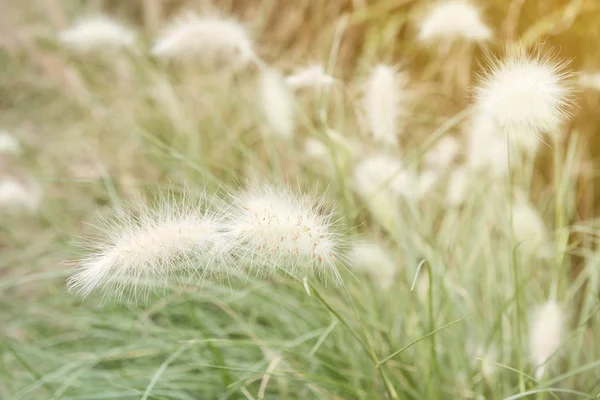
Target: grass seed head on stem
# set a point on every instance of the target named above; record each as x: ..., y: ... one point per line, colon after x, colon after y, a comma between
x: 524, y: 97
x: 97, y: 34
x: 453, y: 20
x: 274, y: 228
x: 384, y: 102
x: 148, y: 247
x: 210, y: 40
x: 546, y: 334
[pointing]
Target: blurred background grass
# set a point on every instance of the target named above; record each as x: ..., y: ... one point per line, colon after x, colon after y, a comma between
x: 92, y: 144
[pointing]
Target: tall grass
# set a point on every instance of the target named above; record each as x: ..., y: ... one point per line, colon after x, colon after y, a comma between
x: 469, y: 250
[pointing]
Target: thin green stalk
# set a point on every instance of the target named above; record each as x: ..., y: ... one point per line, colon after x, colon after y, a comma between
x: 394, y: 354
x: 366, y: 345
x: 515, y: 267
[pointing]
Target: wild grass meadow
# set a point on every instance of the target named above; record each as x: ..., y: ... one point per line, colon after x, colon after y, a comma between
x: 312, y: 199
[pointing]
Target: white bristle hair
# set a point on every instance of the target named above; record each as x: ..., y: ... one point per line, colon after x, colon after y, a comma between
x: 524, y: 96
x: 148, y: 247
x: 384, y: 105
x: 97, y: 34
x: 274, y: 228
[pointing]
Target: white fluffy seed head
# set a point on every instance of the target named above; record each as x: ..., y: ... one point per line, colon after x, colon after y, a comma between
x: 529, y: 229
x: 458, y: 186
x: 546, y: 333
x: 443, y: 153
x: 524, y: 95
x: 375, y: 175
x: 312, y: 76
x: 9, y: 144
x: 315, y: 149
x: 427, y: 181
x: 97, y: 34
x: 277, y: 103
x: 376, y: 261
x: 205, y: 39
x: 487, y: 149
x: 274, y: 228
x: 590, y: 80
x: 384, y: 105
x: 454, y: 20
x: 15, y: 195
x: 150, y: 247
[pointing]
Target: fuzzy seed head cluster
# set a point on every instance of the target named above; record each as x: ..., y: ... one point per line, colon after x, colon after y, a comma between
x: 263, y: 230
x: 487, y: 149
x: 312, y: 76
x: 524, y: 96
x: 458, y: 187
x: 275, y: 228
x: 98, y: 33
x: 15, y: 195
x: 383, y: 102
x: 529, y: 228
x: 382, y: 176
x: 9, y: 144
x: 454, y: 20
x: 150, y: 248
x: 375, y: 174
x: 376, y: 261
x: 207, y: 39
x: 590, y: 80
x: 443, y: 153
x: 546, y: 334
x: 277, y: 103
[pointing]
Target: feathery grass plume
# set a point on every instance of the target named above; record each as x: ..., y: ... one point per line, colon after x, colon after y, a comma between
x: 486, y: 149
x: 315, y: 149
x: 15, y: 195
x: 443, y: 153
x: 150, y: 246
x: 458, y: 186
x: 211, y: 40
x: 486, y: 360
x: 531, y: 234
x: 352, y: 146
x: 524, y: 97
x: 277, y: 103
x: 312, y: 76
x: 384, y: 100
x: 427, y: 180
x: 273, y: 228
x: 454, y: 20
x: 374, y: 176
x: 590, y: 80
x: 9, y: 144
x: 383, y: 176
x: 97, y: 34
x: 376, y: 261
x: 546, y: 333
